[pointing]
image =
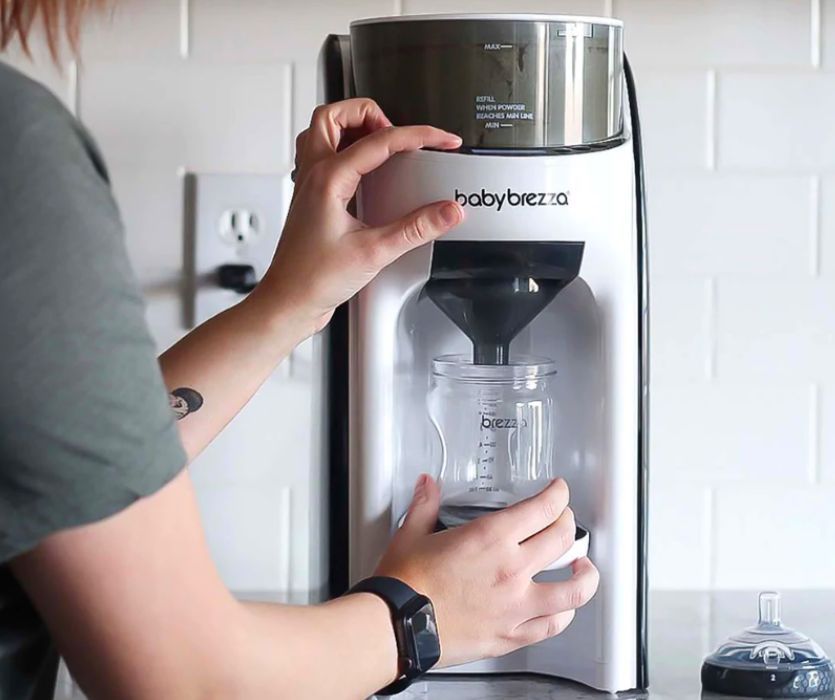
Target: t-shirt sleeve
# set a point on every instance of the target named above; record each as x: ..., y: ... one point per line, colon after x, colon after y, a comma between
x: 85, y: 425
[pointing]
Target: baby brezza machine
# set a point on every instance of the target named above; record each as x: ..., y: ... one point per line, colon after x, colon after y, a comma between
x: 513, y: 350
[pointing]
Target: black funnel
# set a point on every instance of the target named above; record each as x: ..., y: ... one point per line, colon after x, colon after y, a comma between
x: 491, y: 291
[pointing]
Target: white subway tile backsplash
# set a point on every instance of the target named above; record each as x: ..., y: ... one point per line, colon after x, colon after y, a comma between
x: 151, y: 203
x: 716, y: 32
x: 729, y: 431
x: 776, y: 121
x: 577, y: 7
x: 164, y: 314
x: 305, y: 95
x: 203, y: 117
x: 749, y: 226
x: 254, y: 487
x: 135, y: 30
x: 247, y: 531
x: 674, y: 119
x: 681, y: 317
x: 252, y: 449
x: 777, y: 534
x: 273, y: 31
x: 680, y: 530
x: 769, y: 329
x: 691, y: 611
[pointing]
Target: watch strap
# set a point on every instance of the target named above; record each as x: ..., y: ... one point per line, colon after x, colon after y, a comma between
x: 396, y: 595
x: 396, y: 687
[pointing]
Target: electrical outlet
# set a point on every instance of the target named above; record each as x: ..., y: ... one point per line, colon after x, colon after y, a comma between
x: 232, y: 226
x: 239, y: 226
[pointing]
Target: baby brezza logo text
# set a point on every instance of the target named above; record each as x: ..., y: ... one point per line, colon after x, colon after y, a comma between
x: 495, y: 423
x: 512, y: 199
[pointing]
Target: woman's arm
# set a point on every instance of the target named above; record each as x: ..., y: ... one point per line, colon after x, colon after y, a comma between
x: 215, y: 369
x: 324, y: 257
x: 139, y: 612
x: 137, y: 609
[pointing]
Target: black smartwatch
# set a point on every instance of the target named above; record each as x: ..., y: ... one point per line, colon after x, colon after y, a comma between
x: 413, y: 617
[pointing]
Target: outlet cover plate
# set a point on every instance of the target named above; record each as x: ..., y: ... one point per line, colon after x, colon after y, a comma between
x: 229, y: 219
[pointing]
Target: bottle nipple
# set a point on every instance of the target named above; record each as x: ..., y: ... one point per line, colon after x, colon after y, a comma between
x: 770, y: 608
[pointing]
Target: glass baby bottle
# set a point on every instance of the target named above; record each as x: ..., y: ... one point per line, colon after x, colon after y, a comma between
x: 495, y: 424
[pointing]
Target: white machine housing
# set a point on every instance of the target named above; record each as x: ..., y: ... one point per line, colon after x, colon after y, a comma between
x: 591, y: 332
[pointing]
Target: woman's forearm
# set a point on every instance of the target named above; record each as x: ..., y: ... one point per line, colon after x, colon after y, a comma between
x: 341, y: 650
x: 139, y: 612
x: 224, y: 361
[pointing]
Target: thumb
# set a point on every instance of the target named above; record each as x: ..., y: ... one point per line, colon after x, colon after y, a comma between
x: 418, y: 227
x: 423, y: 512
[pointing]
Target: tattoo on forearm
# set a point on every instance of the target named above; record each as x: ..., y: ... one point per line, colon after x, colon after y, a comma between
x: 184, y: 401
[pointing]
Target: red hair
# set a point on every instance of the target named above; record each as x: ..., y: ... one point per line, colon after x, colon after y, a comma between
x: 59, y: 18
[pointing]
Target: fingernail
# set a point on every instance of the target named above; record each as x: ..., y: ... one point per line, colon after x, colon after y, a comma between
x: 420, y: 485
x: 450, y: 214
x: 455, y: 138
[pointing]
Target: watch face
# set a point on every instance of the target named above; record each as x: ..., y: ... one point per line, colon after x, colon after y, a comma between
x: 422, y: 634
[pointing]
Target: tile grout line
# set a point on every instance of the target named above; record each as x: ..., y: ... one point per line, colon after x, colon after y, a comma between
x: 710, y: 565
x: 815, y: 33
x: 287, y: 369
x: 285, y: 539
x: 814, y: 433
x: 710, y: 328
x: 710, y: 524
x: 814, y: 225
x: 73, y: 89
x: 185, y: 28
x: 289, y: 97
x: 710, y: 135
x: 707, y: 632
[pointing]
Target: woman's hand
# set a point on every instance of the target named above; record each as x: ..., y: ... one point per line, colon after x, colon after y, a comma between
x: 325, y: 254
x: 479, y: 575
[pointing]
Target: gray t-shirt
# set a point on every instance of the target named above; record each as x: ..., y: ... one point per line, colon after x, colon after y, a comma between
x: 85, y: 425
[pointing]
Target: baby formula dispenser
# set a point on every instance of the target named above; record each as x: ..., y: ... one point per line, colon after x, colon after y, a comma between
x: 513, y: 350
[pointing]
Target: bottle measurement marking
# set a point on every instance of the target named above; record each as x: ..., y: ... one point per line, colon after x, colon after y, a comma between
x: 486, y: 452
